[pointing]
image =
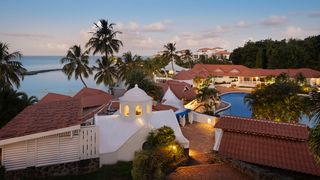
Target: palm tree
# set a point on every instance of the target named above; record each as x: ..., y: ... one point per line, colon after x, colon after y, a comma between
x: 106, y: 71
x: 11, y: 71
x: 208, y: 97
x: 138, y: 77
x: 170, y: 53
x: 104, y: 39
x: 187, y: 56
x: 314, y: 139
x: 128, y: 63
x: 77, y: 63
x: 12, y: 102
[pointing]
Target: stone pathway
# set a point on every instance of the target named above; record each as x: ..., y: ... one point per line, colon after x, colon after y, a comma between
x: 201, y: 137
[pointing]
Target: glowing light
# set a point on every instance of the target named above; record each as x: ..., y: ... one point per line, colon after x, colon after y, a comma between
x: 140, y: 121
x: 209, y: 121
x: 171, y: 72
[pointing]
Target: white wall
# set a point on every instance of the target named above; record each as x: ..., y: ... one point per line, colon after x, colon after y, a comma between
x: 59, y: 148
x: 203, y: 118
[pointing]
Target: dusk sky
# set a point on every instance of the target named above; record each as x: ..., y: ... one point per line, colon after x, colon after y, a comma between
x: 50, y: 27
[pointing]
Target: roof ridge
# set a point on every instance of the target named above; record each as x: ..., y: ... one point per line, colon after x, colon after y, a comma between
x: 267, y: 121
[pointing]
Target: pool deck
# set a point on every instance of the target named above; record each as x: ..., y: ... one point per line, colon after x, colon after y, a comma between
x: 223, y: 89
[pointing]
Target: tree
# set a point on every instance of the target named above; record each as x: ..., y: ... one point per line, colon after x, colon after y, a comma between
x: 208, y: 97
x: 103, y: 39
x: 11, y: 71
x: 187, y: 57
x: 170, y: 53
x: 314, y: 139
x: 138, y: 77
x: 152, y: 66
x: 285, y: 106
x: 127, y: 64
x: 106, y: 71
x: 76, y: 62
x: 12, y: 102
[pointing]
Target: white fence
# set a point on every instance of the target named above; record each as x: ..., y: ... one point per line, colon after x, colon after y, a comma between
x: 89, y: 142
x: 203, y: 118
x: 54, y: 149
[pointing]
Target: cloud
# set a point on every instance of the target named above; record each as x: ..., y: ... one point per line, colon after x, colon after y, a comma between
x: 293, y: 32
x: 314, y: 14
x: 274, y: 20
x: 243, y: 24
x: 157, y: 26
x: 26, y: 35
x: 55, y: 46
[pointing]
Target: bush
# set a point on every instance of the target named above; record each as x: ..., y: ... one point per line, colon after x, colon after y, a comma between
x: 2, y: 172
x: 160, y: 151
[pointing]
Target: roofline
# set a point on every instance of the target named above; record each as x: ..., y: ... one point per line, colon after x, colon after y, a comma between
x: 37, y: 135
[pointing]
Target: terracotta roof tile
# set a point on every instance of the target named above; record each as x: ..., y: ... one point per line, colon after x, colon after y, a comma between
x: 181, y: 89
x: 279, y: 145
x: 162, y: 107
x: 93, y: 97
x: 50, y: 97
x: 204, y: 70
x: 267, y: 128
x: 43, y: 117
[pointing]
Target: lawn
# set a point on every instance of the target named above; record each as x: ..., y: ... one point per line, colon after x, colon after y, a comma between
x: 121, y: 171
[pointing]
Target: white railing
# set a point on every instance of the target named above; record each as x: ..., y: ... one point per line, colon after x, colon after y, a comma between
x: 89, y: 142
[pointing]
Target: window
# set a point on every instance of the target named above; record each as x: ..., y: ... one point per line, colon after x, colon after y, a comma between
x: 138, y: 110
x: 126, y: 110
x: 246, y: 79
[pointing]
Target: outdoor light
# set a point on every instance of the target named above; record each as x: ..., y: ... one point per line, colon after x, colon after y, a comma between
x: 209, y: 121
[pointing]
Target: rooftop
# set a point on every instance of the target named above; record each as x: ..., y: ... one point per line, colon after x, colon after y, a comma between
x: 279, y: 145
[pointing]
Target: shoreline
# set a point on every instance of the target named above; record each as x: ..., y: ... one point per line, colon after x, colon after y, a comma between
x: 29, y: 73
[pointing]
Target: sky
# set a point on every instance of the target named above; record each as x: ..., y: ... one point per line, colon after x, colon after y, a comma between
x: 50, y: 27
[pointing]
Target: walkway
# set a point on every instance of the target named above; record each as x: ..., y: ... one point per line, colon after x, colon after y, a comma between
x: 223, y: 89
x: 204, y: 165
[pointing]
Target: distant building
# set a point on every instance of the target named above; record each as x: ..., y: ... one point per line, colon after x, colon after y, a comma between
x: 218, y: 52
x: 240, y: 75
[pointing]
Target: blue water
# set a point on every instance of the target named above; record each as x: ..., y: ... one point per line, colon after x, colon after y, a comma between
x: 40, y: 84
x: 32, y: 63
x: 240, y: 108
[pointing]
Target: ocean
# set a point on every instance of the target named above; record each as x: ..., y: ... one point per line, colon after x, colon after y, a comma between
x: 56, y: 81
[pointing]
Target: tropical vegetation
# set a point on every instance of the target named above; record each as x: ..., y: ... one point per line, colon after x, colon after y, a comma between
x: 314, y: 139
x: 76, y: 63
x: 170, y: 54
x: 12, y: 102
x: 271, y: 54
x: 11, y: 70
x: 106, y: 71
x: 137, y: 76
x: 158, y: 156
x: 278, y: 101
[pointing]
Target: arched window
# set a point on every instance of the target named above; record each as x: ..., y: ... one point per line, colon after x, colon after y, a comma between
x: 126, y: 110
x: 138, y: 110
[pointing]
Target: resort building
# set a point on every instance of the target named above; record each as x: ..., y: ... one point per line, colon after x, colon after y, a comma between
x: 265, y: 143
x: 242, y: 76
x: 61, y: 131
x: 218, y: 52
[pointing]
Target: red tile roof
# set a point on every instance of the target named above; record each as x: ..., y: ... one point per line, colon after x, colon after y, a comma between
x: 93, y: 97
x: 204, y: 70
x: 279, y: 145
x: 43, y: 117
x: 50, y: 97
x: 181, y: 89
x: 162, y: 107
x: 263, y: 127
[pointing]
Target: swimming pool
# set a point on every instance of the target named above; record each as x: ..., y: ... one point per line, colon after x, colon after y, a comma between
x: 240, y: 108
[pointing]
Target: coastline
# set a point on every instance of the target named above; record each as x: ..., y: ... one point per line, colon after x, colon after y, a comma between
x: 28, y: 73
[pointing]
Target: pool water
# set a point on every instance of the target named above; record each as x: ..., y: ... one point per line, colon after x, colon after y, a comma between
x: 240, y: 108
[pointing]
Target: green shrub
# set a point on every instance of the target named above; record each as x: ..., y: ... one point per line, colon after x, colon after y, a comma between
x: 160, y: 152
x: 161, y: 137
x: 2, y: 172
